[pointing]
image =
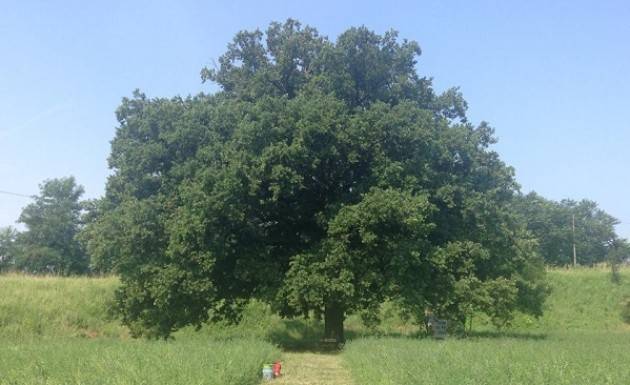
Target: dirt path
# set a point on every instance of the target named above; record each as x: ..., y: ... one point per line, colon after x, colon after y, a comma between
x: 312, y: 369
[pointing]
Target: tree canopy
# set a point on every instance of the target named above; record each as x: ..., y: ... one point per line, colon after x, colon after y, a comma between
x: 553, y: 223
x: 8, y: 236
x: 49, y: 244
x: 324, y: 178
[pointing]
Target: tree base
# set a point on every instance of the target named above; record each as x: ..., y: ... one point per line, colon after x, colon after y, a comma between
x: 333, y: 325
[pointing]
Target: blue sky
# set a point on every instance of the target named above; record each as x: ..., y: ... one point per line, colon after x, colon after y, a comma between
x: 551, y: 77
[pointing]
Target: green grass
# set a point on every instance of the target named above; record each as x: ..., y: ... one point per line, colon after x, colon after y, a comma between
x: 56, y: 331
x: 583, y: 299
x: 36, y: 307
x: 581, y: 340
x: 114, y: 362
x: 571, y: 359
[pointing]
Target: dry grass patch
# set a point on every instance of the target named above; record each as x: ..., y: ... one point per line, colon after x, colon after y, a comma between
x: 313, y: 369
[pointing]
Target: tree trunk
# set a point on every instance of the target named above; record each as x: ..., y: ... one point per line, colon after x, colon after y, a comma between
x: 333, y: 323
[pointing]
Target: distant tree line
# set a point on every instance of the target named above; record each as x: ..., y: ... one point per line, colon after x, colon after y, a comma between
x: 56, y: 239
x: 560, y: 226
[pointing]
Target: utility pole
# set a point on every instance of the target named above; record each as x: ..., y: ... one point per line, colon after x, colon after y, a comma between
x: 574, y: 254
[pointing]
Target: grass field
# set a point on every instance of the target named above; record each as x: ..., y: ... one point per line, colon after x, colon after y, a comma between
x: 581, y: 300
x: 571, y: 359
x: 581, y: 340
x: 115, y: 362
x: 56, y: 331
x: 36, y: 307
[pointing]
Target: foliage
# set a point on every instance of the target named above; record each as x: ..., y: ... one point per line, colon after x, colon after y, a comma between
x: 8, y: 236
x: 324, y: 178
x: 465, y: 284
x: 49, y: 245
x: 551, y: 223
x: 618, y: 253
x: 93, y: 238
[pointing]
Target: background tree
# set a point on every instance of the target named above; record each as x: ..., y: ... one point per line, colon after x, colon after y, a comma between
x: 324, y: 178
x: 551, y: 223
x: 8, y: 236
x: 48, y: 244
x: 618, y: 253
x: 93, y: 239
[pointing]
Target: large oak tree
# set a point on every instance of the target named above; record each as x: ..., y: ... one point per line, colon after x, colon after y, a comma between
x: 324, y: 178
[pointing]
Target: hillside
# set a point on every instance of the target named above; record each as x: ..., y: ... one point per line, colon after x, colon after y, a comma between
x: 581, y: 299
x: 54, y: 307
x: 58, y: 331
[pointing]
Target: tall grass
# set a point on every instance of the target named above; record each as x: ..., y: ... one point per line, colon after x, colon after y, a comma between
x: 36, y: 307
x: 56, y: 331
x: 59, y: 331
x: 71, y: 361
x: 581, y: 339
x: 582, y: 299
x: 575, y: 359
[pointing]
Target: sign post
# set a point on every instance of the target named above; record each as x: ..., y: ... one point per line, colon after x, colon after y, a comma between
x: 438, y: 326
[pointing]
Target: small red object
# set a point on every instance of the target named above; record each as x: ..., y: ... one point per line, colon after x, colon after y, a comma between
x: 277, y: 367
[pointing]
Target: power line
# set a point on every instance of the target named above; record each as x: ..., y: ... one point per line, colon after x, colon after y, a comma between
x: 16, y: 194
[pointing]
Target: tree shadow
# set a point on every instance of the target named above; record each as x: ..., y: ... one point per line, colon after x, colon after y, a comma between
x: 496, y: 334
x: 298, y: 335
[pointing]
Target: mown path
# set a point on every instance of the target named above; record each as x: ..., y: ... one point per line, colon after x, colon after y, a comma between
x: 304, y: 368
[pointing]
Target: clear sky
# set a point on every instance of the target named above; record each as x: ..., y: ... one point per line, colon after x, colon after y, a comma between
x: 552, y: 77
